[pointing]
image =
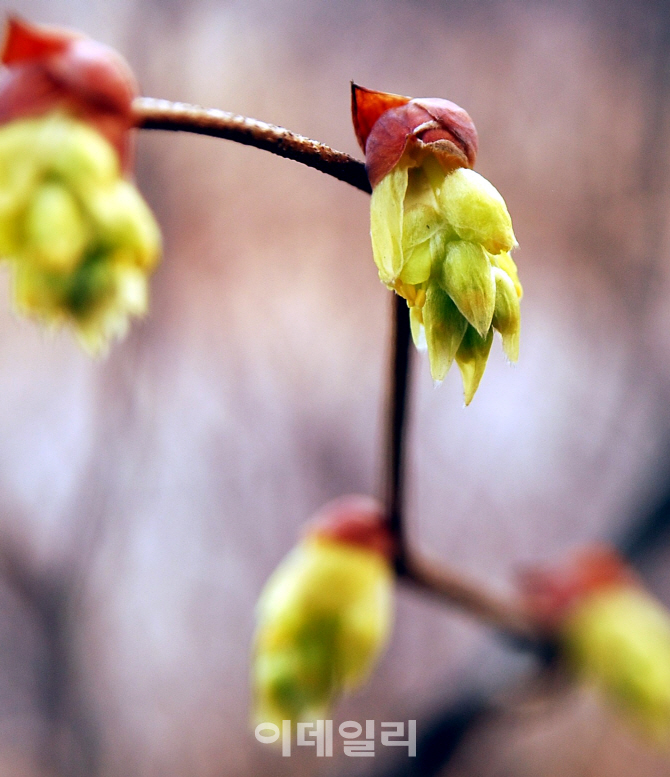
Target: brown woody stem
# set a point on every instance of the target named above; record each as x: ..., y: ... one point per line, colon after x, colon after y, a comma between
x: 163, y: 114
x: 436, y: 579
x: 400, y: 368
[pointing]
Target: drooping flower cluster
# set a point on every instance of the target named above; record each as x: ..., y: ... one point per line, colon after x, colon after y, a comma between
x: 441, y: 233
x: 325, y: 614
x: 611, y: 632
x: 79, y: 239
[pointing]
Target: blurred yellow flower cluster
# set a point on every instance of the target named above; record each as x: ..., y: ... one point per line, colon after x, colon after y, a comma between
x: 610, y: 632
x: 324, y: 616
x: 619, y: 638
x: 79, y: 238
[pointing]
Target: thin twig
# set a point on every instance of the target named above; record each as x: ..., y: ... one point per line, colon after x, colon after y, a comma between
x: 163, y: 114
x: 396, y: 421
x: 426, y: 575
x: 437, y: 579
x: 501, y: 613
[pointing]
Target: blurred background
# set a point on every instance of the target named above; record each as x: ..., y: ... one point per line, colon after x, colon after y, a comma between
x: 145, y: 498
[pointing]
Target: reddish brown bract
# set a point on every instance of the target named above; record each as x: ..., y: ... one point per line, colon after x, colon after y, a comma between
x: 550, y: 593
x: 48, y: 68
x: 367, y: 106
x: 387, y: 125
x: 354, y: 520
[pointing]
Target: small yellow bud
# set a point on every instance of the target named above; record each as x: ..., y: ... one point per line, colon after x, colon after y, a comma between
x: 619, y: 638
x: 323, y: 619
x: 609, y: 630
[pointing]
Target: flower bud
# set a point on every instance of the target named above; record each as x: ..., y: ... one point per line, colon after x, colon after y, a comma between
x: 389, y: 126
x: 467, y: 277
x: 49, y: 69
x: 325, y: 614
x: 506, y: 313
x: 611, y: 632
x: 476, y: 211
x: 79, y: 239
x: 441, y: 234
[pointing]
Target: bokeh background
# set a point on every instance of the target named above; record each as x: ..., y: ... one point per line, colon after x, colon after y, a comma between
x: 145, y: 498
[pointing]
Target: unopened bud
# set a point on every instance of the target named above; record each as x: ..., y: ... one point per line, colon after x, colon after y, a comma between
x: 49, y: 69
x: 612, y: 633
x: 325, y: 614
x: 390, y: 126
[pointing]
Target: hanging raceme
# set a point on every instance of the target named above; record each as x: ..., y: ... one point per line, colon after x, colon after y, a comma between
x: 441, y: 234
x: 78, y: 237
x: 325, y: 614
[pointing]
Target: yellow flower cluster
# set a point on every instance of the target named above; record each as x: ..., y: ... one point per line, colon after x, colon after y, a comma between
x: 79, y: 238
x: 442, y: 241
x: 323, y: 619
x: 619, y: 639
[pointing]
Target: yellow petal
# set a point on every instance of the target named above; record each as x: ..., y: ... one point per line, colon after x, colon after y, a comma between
x: 505, y: 262
x: 39, y: 293
x: 471, y: 358
x: 418, y: 264
x: 420, y: 223
x: 386, y: 223
x: 444, y: 329
x: 476, y: 210
x: 19, y: 176
x: 417, y: 328
x: 467, y: 276
x: 123, y: 221
x: 55, y: 231
x: 507, y: 316
x: 76, y: 153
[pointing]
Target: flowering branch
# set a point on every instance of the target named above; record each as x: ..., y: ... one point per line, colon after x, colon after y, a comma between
x: 150, y: 113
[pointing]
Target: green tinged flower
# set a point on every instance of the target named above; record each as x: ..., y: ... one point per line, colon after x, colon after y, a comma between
x: 441, y: 233
x: 79, y: 239
x: 323, y: 617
